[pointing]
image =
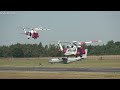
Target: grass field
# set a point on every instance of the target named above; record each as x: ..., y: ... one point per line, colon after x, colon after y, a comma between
x: 58, y: 75
x: 43, y: 62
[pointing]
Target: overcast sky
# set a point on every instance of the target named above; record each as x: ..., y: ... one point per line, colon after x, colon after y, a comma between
x: 64, y: 25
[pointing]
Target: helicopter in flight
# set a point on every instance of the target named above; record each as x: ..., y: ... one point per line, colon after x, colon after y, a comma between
x: 73, y: 49
x: 32, y: 33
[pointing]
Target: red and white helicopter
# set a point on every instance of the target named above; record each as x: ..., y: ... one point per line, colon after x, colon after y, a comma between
x: 73, y: 49
x: 33, y: 32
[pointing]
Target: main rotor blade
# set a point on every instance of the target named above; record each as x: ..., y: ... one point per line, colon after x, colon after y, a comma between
x: 93, y: 41
x: 40, y: 29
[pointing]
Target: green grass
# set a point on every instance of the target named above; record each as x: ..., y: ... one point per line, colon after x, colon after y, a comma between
x: 43, y: 62
x: 58, y: 75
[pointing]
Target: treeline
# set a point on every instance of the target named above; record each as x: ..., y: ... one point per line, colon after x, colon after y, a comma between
x: 111, y: 48
x: 52, y: 50
x: 30, y: 50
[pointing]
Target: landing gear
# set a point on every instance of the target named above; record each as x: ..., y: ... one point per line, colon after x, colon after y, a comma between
x: 30, y: 34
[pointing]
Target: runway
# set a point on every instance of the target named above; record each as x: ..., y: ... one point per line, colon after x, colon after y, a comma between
x: 59, y: 69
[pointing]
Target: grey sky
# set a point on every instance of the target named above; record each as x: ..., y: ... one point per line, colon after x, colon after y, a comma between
x: 64, y: 25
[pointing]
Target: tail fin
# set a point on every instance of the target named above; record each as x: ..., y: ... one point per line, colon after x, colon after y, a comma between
x: 85, y: 55
x: 24, y: 30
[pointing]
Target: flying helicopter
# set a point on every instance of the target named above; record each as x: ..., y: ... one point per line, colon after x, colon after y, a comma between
x: 33, y: 32
x: 73, y: 49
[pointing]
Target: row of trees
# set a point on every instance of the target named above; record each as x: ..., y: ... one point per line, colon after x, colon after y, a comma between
x: 111, y: 48
x: 29, y: 50
x: 52, y: 50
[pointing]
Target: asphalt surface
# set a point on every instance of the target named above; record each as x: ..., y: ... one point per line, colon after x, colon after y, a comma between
x: 59, y: 69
